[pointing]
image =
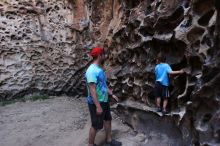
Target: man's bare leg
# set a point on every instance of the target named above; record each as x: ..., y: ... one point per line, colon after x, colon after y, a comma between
x: 92, y: 134
x: 108, y: 130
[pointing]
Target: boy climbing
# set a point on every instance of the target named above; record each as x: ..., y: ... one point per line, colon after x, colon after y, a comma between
x: 162, y: 73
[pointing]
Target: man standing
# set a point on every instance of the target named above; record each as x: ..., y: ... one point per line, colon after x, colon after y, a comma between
x: 162, y: 72
x: 98, y: 98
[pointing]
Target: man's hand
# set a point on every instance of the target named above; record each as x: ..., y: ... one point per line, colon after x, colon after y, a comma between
x: 110, y: 91
x: 115, y: 97
x: 99, y: 110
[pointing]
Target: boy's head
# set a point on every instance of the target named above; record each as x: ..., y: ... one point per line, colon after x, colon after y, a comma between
x: 161, y: 58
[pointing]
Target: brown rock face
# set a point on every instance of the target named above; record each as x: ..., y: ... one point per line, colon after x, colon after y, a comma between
x: 44, y: 46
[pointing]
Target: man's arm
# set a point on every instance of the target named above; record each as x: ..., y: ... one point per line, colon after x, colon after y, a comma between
x: 92, y: 89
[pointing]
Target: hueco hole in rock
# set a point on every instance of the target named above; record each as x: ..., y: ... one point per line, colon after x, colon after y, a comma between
x: 45, y: 51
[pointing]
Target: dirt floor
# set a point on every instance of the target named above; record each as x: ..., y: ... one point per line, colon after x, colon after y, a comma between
x: 58, y: 121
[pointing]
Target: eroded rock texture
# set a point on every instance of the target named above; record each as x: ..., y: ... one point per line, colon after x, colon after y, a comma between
x: 187, y: 32
x: 44, y: 46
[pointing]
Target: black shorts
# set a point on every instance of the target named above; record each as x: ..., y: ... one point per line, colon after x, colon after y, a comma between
x: 98, y: 120
x: 161, y: 90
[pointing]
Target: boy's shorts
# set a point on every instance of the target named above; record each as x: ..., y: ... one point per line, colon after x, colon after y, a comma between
x: 161, y: 90
x: 98, y: 120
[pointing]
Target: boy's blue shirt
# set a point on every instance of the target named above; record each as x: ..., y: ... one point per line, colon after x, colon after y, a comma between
x: 162, y: 71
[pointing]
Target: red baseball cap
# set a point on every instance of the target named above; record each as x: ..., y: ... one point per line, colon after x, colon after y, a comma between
x: 95, y: 52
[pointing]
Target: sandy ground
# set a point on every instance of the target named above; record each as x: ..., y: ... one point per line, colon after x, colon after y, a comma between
x: 59, y: 121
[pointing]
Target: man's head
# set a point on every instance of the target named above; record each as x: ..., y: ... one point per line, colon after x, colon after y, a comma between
x: 98, y: 55
x: 161, y: 58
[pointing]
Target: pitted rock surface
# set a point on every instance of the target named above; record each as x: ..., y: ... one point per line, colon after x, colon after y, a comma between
x: 45, y: 43
x: 43, y: 47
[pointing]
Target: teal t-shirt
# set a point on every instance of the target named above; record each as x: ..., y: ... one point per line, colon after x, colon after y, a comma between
x: 96, y: 74
x: 162, y: 71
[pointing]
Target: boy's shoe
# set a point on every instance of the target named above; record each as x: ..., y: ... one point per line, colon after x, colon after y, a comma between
x: 114, y: 143
x: 159, y: 109
x: 164, y: 112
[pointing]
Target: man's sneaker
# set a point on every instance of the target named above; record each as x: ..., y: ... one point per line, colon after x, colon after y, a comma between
x: 159, y: 109
x: 114, y: 143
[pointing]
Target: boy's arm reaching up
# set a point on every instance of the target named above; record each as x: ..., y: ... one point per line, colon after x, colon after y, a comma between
x: 176, y: 72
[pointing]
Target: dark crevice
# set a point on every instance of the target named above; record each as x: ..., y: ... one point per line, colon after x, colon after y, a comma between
x: 165, y: 25
x: 202, y: 6
x: 204, y: 20
x: 131, y: 3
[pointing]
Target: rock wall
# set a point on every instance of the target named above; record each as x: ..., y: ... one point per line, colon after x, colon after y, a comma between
x: 45, y: 43
x: 187, y: 33
x: 43, y: 46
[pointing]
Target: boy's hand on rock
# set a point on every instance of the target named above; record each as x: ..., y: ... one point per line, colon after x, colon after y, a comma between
x: 182, y: 71
x: 186, y: 70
